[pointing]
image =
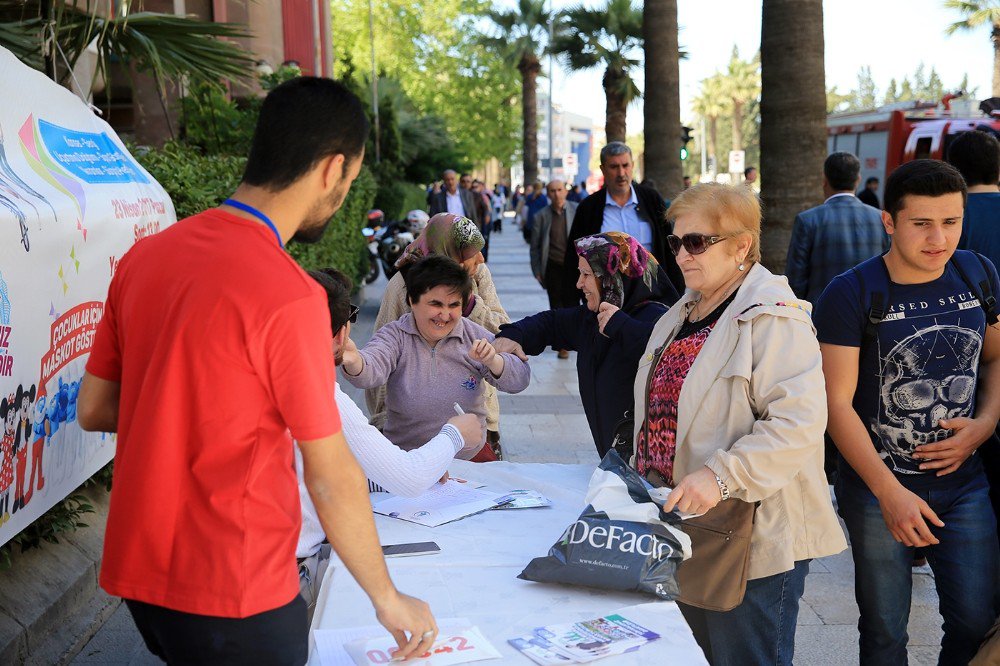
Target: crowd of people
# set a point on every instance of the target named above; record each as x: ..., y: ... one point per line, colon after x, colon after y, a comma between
x: 716, y: 377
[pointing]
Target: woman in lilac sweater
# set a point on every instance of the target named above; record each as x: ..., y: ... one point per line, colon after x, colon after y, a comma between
x: 432, y: 358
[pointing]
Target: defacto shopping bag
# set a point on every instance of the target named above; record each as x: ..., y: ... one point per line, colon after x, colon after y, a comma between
x: 621, y: 540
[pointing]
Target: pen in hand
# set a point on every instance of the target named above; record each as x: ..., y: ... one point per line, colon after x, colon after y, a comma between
x: 458, y: 409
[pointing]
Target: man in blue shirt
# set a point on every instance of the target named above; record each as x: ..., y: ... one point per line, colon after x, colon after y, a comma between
x: 976, y: 155
x: 626, y: 206
x: 913, y: 389
x: 836, y: 235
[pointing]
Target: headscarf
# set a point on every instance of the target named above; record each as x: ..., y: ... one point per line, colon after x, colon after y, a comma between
x: 445, y: 234
x: 628, y: 273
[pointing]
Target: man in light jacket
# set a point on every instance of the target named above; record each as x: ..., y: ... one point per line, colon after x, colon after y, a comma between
x: 551, y: 250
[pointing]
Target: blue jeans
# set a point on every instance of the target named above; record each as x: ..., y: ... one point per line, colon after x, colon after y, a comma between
x: 965, y: 564
x: 761, y: 630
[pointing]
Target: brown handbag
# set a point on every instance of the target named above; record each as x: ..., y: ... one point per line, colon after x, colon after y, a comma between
x: 715, y: 576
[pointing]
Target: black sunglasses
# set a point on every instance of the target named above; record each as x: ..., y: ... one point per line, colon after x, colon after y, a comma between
x: 353, y: 316
x: 693, y: 243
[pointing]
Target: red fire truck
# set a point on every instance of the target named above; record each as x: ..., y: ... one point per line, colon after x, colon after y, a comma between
x: 886, y: 137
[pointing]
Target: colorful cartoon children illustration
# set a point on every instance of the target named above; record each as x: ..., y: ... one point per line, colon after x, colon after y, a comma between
x: 73, y: 391
x: 22, y: 432
x: 40, y: 430
x: 8, y: 414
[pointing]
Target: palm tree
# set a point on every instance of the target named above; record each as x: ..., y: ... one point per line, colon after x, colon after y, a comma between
x: 662, y: 105
x: 793, y: 118
x: 608, y: 36
x: 979, y: 13
x: 742, y: 82
x: 711, y: 103
x: 521, y: 39
x: 168, y: 47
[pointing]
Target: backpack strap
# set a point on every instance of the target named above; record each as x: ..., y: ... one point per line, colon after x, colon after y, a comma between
x: 876, y: 309
x: 985, y: 292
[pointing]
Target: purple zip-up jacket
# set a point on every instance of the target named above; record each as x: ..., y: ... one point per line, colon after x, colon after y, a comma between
x: 423, y: 383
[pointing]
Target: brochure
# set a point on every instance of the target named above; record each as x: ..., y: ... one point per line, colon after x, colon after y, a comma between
x: 443, y: 503
x: 582, y: 642
x: 457, y: 646
x: 522, y: 499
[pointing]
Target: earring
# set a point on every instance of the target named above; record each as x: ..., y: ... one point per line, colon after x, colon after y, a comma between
x: 741, y: 267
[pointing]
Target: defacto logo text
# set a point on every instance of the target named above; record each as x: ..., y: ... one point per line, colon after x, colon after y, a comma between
x: 616, y: 537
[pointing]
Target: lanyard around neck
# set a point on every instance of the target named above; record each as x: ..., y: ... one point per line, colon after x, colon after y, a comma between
x: 247, y: 208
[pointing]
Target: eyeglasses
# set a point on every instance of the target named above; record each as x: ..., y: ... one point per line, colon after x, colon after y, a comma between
x: 693, y: 243
x: 353, y: 316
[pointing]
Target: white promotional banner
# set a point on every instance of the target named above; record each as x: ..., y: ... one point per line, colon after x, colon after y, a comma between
x: 72, y: 202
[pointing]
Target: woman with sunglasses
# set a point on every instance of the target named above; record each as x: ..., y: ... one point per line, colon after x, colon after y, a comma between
x: 459, y: 238
x: 626, y: 291
x: 730, y: 405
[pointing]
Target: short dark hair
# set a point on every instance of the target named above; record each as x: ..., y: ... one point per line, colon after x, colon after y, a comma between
x: 746, y: 172
x: 842, y: 170
x: 928, y: 178
x: 301, y: 122
x: 976, y: 155
x: 870, y: 180
x: 437, y: 271
x: 338, y: 289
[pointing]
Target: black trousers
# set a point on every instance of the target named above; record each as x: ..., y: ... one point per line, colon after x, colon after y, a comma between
x: 562, y: 293
x: 275, y: 637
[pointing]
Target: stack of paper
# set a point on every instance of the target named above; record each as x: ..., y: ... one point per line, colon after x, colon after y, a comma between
x: 443, y: 503
x: 582, y: 642
x: 522, y: 499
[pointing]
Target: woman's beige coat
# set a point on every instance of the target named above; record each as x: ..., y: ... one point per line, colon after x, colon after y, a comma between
x: 753, y: 410
x: 487, y: 312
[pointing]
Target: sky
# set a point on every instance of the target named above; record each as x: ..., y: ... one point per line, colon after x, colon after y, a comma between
x: 890, y: 36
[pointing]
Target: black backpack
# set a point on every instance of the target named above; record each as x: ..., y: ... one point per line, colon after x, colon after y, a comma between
x: 879, y: 300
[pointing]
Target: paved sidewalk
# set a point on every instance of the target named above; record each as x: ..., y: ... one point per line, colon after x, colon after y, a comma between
x: 545, y: 423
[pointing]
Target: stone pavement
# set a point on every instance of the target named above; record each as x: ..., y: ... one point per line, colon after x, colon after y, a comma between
x: 545, y: 423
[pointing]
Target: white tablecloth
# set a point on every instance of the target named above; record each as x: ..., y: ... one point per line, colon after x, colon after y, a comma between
x: 475, y: 574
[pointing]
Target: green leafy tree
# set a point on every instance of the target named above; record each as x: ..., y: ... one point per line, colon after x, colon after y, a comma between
x: 432, y: 49
x: 742, y: 85
x: 608, y: 36
x: 166, y: 46
x: 835, y: 101
x: 710, y: 103
x: 865, y: 96
x: 976, y: 14
x: 891, y: 94
x: 520, y: 38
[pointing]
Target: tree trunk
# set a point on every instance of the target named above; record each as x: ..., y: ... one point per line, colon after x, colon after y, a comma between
x: 662, y: 104
x: 529, y: 68
x: 996, y: 60
x: 793, y: 119
x: 737, y: 125
x: 614, y: 122
x: 713, y: 141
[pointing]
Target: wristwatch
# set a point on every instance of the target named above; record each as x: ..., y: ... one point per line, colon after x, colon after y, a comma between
x: 723, y: 488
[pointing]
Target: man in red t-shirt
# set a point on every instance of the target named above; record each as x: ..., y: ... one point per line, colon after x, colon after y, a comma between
x: 209, y: 354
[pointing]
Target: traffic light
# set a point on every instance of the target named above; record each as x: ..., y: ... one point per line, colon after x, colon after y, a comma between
x: 685, y: 137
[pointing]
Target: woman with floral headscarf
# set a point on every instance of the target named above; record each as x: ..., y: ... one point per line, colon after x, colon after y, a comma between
x: 626, y: 292
x: 459, y: 238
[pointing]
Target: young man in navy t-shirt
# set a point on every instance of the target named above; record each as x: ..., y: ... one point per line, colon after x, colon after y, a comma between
x: 911, y: 398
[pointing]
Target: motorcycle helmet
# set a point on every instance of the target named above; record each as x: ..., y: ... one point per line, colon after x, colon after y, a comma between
x: 376, y: 218
x: 416, y: 220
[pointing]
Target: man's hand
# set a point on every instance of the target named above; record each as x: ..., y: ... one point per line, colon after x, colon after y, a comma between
x: 948, y: 455
x: 483, y: 352
x: 906, y: 516
x: 508, y: 346
x: 604, y: 313
x: 351, y: 360
x: 402, y: 615
x: 471, y: 429
x: 696, y: 493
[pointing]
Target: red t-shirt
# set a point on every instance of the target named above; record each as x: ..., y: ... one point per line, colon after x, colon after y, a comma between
x: 221, y: 343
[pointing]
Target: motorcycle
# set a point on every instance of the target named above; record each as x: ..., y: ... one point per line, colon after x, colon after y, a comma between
x: 392, y: 240
x: 371, y: 253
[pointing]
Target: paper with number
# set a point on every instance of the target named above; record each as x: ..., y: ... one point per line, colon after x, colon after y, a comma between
x: 582, y: 642
x: 443, y: 503
x: 456, y: 645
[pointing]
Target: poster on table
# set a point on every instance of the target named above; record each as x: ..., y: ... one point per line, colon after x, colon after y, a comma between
x: 72, y: 202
